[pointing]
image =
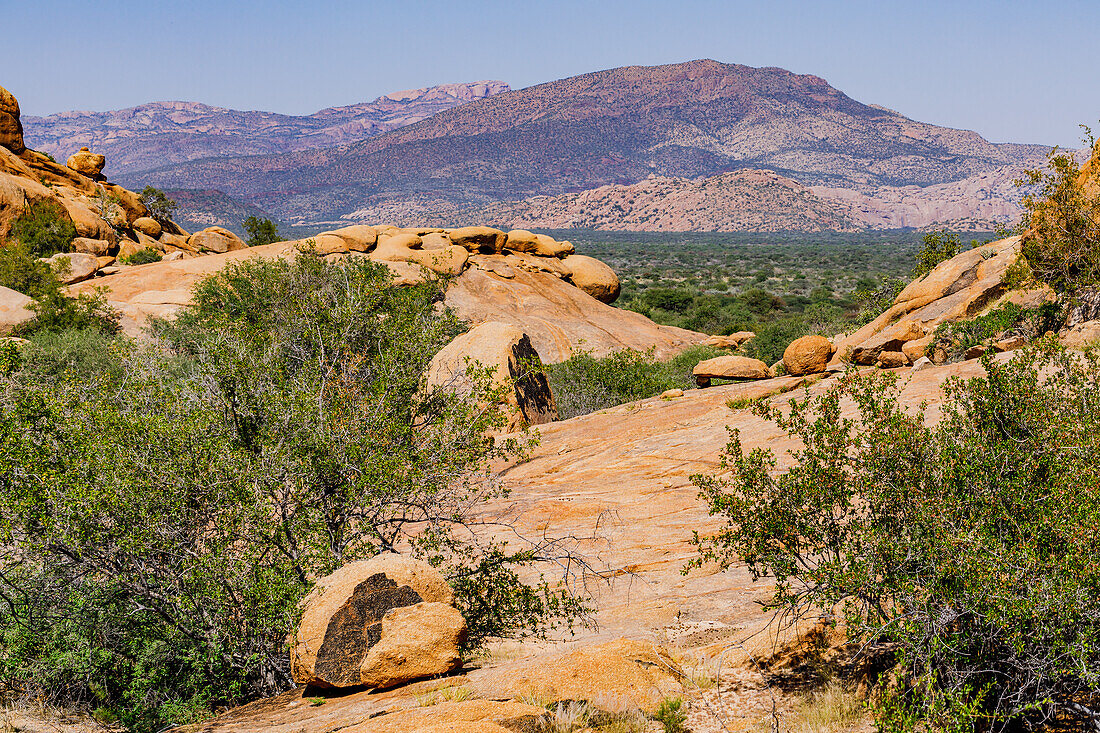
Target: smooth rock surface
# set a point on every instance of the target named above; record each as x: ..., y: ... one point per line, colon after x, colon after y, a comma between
x: 593, y: 277
x: 730, y: 367
x: 14, y: 309
x: 216, y: 239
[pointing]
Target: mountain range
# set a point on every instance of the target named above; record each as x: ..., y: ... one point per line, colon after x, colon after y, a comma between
x: 503, y: 152
x: 151, y: 135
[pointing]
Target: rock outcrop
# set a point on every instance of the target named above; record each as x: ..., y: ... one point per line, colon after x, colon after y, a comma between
x: 342, y: 619
x: 516, y: 366
x: 11, y: 129
x: 531, y: 292
x: 959, y: 288
x: 87, y: 163
x: 110, y: 221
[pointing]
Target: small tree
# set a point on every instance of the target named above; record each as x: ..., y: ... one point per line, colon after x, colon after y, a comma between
x: 1062, y: 245
x: 260, y: 231
x: 159, y: 205
x: 160, y: 519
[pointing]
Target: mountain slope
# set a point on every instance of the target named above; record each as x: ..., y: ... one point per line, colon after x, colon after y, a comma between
x: 151, y: 135
x: 618, y: 126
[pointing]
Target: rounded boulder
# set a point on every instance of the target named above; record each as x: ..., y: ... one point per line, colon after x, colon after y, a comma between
x: 807, y: 355
x: 215, y: 239
x: 87, y: 163
x: 593, y: 277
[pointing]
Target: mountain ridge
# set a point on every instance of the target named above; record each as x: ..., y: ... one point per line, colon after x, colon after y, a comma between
x: 617, y: 126
x: 147, y: 135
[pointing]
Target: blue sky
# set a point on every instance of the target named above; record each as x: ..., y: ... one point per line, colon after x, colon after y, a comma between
x: 1015, y: 71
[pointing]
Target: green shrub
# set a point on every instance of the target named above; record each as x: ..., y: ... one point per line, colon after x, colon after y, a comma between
x: 964, y: 554
x: 671, y: 715
x: 584, y: 383
x: 164, y: 508
x: 44, y: 229
x: 142, y: 257
x: 20, y: 270
x: 260, y: 231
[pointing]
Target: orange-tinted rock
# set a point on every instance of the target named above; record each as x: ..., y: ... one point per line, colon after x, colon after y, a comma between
x: 216, y: 239
x: 892, y: 360
x: 342, y: 615
x: 593, y: 277
x: 515, y: 363
x: 15, y: 309
x: 730, y: 367
x: 807, y: 355
x: 11, y: 129
x: 87, y: 163
x: 479, y: 239
x: 418, y: 641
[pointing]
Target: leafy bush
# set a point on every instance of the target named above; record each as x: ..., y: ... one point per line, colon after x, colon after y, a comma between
x: 260, y: 231
x: 44, y: 229
x: 966, y: 553
x: 585, y: 383
x: 874, y: 301
x: 158, y: 528
x: 22, y: 271
x: 142, y: 257
x: 671, y: 715
x: 160, y: 207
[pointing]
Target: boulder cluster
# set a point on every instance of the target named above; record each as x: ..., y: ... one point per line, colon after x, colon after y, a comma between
x: 409, y: 251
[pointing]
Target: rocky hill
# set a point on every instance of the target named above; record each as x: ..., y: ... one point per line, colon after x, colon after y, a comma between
x: 618, y: 126
x: 745, y: 200
x: 151, y: 135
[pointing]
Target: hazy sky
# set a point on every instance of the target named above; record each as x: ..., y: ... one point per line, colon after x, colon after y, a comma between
x: 1018, y: 71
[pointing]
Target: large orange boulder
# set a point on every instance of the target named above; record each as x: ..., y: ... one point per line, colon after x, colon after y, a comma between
x: 216, y: 239
x: 593, y: 277
x: 479, y: 239
x: 516, y: 366
x: 807, y: 355
x: 87, y: 163
x: 730, y: 367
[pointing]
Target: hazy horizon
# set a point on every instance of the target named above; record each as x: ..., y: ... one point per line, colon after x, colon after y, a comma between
x: 1014, y: 73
